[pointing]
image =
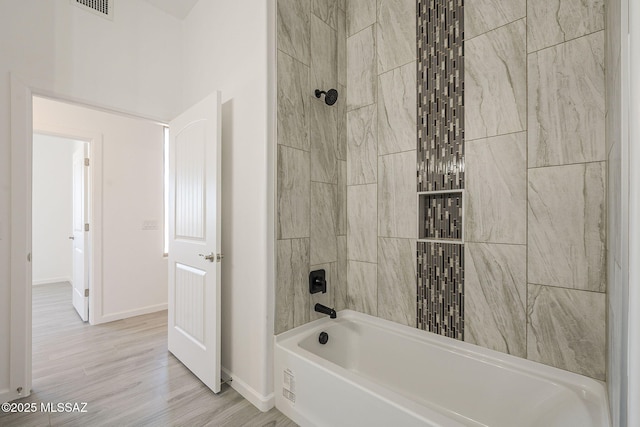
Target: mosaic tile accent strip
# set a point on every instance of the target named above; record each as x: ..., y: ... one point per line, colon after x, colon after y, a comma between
x: 440, y: 95
x: 441, y: 289
x: 440, y: 74
x: 440, y: 216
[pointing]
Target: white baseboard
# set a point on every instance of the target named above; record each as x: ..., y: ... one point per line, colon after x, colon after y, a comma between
x: 130, y: 313
x: 51, y: 281
x: 263, y: 403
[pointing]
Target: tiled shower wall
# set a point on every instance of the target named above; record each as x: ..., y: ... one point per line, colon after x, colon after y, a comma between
x: 534, y: 252
x: 381, y: 158
x: 312, y: 154
x: 535, y: 277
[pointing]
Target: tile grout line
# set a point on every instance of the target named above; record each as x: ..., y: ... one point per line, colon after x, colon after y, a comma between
x: 567, y: 164
x: 565, y: 41
x: 497, y: 28
x: 566, y: 288
x: 496, y: 136
x: 280, y: 51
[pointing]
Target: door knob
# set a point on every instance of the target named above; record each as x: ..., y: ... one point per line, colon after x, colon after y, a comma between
x: 211, y: 257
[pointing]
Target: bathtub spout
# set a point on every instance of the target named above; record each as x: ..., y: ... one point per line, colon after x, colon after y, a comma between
x: 325, y: 310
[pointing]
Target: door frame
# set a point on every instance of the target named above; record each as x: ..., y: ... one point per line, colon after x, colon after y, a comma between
x: 20, y: 352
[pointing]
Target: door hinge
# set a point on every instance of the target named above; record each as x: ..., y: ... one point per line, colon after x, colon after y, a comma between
x: 86, y: 161
x: 86, y: 293
x: 86, y: 227
x: 29, y: 257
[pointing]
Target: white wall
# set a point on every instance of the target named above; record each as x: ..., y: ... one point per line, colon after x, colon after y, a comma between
x: 52, y: 209
x: 149, y: 63
x: 226, y: 48
x: 134, y: 270
x: 130, y: 64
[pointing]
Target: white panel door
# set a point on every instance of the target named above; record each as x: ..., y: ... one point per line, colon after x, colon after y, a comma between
x: 80, y: 257
x: 194, y: 239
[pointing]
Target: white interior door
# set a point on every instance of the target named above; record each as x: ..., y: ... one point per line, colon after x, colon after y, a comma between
x: 80, y: 258
x: 194, y: 239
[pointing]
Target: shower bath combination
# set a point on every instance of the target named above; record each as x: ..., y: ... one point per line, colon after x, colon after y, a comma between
x: 330, y: 96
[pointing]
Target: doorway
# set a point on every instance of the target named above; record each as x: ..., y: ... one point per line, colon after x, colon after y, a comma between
x: 138, y: 270
x: 60, y: 200
x: 127, y: 271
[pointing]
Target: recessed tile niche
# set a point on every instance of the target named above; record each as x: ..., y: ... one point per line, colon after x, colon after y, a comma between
x: 440, y: 216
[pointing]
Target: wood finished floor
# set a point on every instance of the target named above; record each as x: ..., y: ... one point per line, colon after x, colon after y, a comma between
x: 123, y: 371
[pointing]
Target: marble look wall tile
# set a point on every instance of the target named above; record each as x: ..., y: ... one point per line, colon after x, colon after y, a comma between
x: 397, y: 280
x: 327, y: 298
x: 284, y: 286
x: 566, y: 232
x: 362, y: 292
x: 362, y: 233
x: 324, y: 56
x: 360, y: 14
x: 293, y: 102
x: 327, y: 11
x: 341, y: 227
x: 324, y: 139
x: 496, y: 184
x: 342, y: 47
x: 362, y: 142
x: 396, y: 33
x: 292, y: 268
x: 340, y: 291
x: 397, y: 197
x: 361, y: 69
x: 550, y: 22
x: 566, y: 329
x: 495, y: 282
x: 323, y: 224
x: 293, y: 29
x: 613, y: 74
x: 495, y: 82
x: 481, y: 16
x: 397, y: 115
x: 341, y: 106
x: 293, y: 193
x: 566, y: 103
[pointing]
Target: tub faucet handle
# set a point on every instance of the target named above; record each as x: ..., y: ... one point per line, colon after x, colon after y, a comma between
x: 317, y: 282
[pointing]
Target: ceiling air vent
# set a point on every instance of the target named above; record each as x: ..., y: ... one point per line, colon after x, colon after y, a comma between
x: 103, y: 8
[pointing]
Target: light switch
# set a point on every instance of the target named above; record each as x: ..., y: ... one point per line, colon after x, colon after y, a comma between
x: 150, y: 224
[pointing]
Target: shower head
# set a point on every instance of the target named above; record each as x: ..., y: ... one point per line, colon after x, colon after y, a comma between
x: 330, y: 96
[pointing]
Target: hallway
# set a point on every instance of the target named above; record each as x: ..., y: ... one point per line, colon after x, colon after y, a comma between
x: 123, y: 371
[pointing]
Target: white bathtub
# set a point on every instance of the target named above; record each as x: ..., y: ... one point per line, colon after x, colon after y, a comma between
x: 373, y: 372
